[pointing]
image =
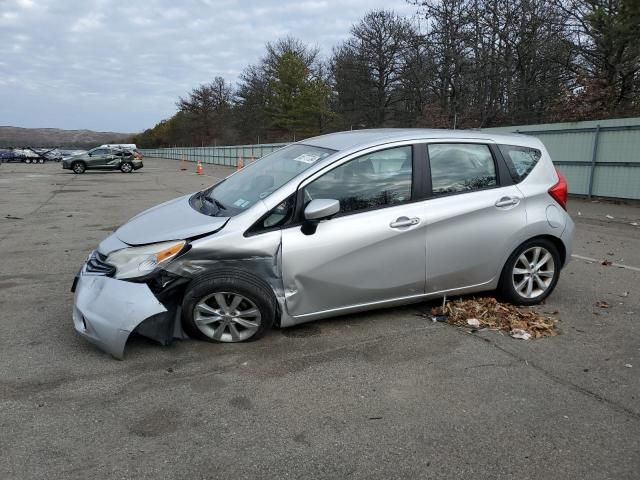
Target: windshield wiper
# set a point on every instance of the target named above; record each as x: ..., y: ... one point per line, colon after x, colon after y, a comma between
x: 211, y: 202
x: 218, y: 203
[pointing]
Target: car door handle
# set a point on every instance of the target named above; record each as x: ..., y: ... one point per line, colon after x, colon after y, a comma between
x: 507, y: 201
x: 402, y: 222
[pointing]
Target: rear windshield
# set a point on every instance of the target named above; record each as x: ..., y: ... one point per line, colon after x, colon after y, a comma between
x: 260, y: 179
x: 520, y: 160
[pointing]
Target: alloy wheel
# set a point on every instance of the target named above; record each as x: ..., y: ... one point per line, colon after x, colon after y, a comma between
x: 533, y: 272
x: 227, y: 317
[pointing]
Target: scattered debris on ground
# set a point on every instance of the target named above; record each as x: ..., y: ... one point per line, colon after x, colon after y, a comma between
x: 520, y: 334
x: 605, y: 262
x: 488, y: 313
x: 602, y: 304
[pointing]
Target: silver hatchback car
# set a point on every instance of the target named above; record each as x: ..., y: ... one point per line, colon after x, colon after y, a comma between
x: 335, y: 224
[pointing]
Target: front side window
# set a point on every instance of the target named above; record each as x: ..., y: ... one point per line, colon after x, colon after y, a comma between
x: 461, y: 167
x: 520, y: 160
x: 375, y: 180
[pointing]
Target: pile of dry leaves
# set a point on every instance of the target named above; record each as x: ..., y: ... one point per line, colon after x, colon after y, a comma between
x: 487, y: 312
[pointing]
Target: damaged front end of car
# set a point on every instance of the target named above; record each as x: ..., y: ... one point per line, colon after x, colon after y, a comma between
x: 122, y: 290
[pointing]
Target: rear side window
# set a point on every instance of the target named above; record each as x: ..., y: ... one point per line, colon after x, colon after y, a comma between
x: 520, y: 160
x: 461, y: 167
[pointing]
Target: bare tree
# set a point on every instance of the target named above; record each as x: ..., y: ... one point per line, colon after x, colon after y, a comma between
x: 371, y: 61
x: 208, y: 107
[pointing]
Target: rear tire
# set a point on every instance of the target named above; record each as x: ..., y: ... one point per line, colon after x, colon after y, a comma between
x: 27, y: 160
x: 531, y: 272
x: 230, y: 305
x: 78, y: 167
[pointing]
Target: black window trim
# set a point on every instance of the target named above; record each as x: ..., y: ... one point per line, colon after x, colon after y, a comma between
x: 503, y: 177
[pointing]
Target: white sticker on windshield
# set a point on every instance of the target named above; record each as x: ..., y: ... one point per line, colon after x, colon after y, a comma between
x: 239, y: 202
x: 307, y: 158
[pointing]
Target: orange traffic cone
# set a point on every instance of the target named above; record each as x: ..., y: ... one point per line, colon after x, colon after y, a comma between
x: 239, y: 164
x: 183, y: 164
x: 199, y: 169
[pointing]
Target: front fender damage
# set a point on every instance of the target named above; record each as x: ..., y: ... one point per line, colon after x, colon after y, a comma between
x: 106, y: 310
x: 265, y: 267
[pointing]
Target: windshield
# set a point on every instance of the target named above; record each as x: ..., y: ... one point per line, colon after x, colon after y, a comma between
x: 258, y: 180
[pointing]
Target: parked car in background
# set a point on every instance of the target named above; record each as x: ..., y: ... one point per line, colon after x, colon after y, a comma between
x: 331, y: 225
x: 103, y: 158
x: 26, y: 155
x: 6, y: 155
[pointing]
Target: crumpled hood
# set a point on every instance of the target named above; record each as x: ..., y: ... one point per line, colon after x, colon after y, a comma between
x: 172, y: 220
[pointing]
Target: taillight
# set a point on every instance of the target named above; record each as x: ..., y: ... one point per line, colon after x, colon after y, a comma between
x: 560, y: 191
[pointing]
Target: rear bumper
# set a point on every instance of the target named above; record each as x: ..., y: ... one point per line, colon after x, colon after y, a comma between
x: 567, y: 239
x: 106, y: 310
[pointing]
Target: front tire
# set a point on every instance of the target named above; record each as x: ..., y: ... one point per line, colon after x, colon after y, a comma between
x: 78, y: 167
x: 228, y: 306
x: 531, y: 272
x: 126, y: 167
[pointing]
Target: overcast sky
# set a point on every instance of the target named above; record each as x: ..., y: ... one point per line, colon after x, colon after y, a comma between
x: 113, y: 65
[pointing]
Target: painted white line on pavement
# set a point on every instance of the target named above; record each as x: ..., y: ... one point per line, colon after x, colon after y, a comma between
x: 619, y: 265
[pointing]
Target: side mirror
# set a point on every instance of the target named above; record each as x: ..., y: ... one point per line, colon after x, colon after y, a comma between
x: 90, y: 154
x: 321, y: 208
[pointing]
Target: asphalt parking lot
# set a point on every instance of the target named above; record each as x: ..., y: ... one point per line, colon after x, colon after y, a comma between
x: 384, y: 394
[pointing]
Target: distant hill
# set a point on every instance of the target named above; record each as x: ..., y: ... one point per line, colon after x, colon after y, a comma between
x: 55, y: 137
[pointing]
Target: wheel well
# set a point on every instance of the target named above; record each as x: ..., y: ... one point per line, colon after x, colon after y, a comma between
x: 78, y: 161
x: 562, y: 251
x: 558, y: 244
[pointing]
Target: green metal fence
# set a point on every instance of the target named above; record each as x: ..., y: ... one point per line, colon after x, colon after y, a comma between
x: 598, y: 158
x: 214, y: 155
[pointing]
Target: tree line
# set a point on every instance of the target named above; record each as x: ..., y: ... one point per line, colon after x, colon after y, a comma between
x: 455, y: 64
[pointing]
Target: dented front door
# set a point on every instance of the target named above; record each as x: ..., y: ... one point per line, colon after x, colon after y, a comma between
x: 353, y: 260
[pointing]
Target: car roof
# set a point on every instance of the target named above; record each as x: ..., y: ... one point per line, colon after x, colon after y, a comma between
x: 371, y: 137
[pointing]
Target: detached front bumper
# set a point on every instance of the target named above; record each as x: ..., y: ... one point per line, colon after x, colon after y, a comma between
x: 106, y: 310
x: 137, y: 164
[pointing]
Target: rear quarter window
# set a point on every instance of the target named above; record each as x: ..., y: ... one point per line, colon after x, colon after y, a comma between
x: 520, y: 160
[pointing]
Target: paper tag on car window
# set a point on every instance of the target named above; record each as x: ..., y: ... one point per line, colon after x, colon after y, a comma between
x: 307, y: 158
